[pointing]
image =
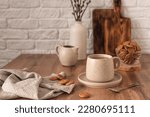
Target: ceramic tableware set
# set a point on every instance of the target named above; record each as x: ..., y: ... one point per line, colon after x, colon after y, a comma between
x: 100, y: 68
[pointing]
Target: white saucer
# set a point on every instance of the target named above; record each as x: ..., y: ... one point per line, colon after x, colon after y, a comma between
x: 117, y: 79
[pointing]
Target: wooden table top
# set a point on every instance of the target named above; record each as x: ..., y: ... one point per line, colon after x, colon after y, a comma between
x: 47, y: 64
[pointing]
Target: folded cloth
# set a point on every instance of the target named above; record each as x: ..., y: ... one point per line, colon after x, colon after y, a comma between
x: 23, y: 84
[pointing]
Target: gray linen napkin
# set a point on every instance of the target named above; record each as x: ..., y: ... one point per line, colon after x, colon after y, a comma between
x: 20, y: 83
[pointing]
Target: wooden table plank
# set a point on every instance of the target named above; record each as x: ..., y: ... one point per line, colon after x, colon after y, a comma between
x: 47, y: 64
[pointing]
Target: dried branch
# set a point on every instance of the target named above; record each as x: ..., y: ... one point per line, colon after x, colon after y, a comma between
x: 73, y: 10
x: 79, y: 8
x: 87, y: 3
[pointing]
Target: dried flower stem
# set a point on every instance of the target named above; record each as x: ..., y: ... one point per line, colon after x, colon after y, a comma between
x: 73, y: 10
x: 84, y: 10
x: 79, y: 8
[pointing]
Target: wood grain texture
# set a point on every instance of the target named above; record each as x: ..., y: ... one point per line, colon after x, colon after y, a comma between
x: 110, y: 29
x: 116, y: 31
x: 99, y: 16
x: 47, y: 64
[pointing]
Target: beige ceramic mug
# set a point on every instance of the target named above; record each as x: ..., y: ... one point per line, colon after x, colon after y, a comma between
x: 68, y: 55
x: 101, y: 67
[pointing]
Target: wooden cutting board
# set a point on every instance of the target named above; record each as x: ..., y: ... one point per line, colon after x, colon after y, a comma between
x: 99, y: 16
x: 110, y: 29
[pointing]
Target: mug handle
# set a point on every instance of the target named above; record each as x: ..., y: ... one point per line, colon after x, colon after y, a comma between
x: 58, y: 49
x: 116, y: 62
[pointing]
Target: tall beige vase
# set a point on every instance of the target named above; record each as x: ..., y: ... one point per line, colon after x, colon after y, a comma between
x: 78, y: 38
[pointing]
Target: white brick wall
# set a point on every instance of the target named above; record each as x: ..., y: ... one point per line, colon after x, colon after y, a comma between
x: 43, y: 34
x: 20, y: 45
x: 14, y: 13
x: 22, y: 24
x: 8, y: 54
x: 3, y: 23
x: 53, y: 23
x: 24, y: 3
x: 4, y: 3
x: 44, y: 13
x: 55, y: 3
x: 37, y: 26
x: 13, y: 34
x: 2, y: 45
x: 140, y: 3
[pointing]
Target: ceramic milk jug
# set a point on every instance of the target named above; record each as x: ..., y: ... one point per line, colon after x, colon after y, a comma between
x: 68, y: 55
